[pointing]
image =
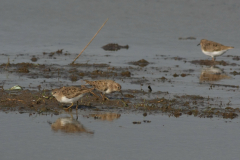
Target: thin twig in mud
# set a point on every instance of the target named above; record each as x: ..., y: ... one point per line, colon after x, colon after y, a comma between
x: 94, y: 94
x: 90, y: 41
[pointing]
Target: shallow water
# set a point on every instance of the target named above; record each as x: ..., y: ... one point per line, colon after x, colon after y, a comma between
x: 151, y: 29
x: 24, y: 137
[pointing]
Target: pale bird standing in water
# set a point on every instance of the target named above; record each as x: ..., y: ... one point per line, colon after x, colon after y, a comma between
x: 213, y: 49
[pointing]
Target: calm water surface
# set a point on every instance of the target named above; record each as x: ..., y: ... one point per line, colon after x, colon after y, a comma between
x: 24, y: 137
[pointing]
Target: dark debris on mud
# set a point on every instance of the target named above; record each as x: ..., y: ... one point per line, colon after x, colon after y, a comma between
x: 114, y: 47
x: 235, y: 58
x: 141, y: 63
x: 58, y: 52
x: 34, y: 59
x: 187, y: 38
x: 235, y: 73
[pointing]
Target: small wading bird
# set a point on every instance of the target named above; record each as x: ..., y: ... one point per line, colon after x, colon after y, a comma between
x: 105, y: 86
x: 213, y: 49
x: 70, y: 94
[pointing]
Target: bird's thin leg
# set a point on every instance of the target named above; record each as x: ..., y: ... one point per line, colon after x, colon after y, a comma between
x: 103, y: 96
x: 94, y: 94
x: 213, y: 59
x: 70, y: 106
x: 77, y: 105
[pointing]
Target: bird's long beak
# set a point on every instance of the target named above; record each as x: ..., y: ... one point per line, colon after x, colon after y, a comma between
x: 50, y: 96
x: 198, y: 44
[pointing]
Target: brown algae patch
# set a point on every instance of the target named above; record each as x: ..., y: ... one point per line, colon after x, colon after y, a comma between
x: 73, y: 78
x: 235, y: 58
x: 235, y: 73
x: 21, y: 67
x: 184, y: 75
x: 179, y: 59
x: 187, y: 38
x: 34, y: 59
x: 81, y: 74
x: 175, y: 75
x: 58, y: 52
x: 126, y: 74
x: 23, y: 70
x: 136, y: 122
x: 129, y: 96
x: 114, y: 47
x: 141, y: 63
x: 230, y: 115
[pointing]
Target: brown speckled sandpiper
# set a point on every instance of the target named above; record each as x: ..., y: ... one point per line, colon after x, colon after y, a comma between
x: 213, y: 49
x: 70, y: 94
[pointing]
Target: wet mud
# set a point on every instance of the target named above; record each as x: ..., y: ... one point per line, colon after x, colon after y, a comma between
x: 145, y: 100
x: 39, y: 102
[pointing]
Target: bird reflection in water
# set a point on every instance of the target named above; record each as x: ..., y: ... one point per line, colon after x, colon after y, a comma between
x: 106, y: 116
x: 69, y: 125
x: 213, y: 73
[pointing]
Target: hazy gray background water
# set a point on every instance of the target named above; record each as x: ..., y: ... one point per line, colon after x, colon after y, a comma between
x: 150, y: 28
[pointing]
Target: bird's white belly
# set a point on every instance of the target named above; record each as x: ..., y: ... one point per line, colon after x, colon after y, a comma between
x: 72, y: 100
x: 215, y: 53
x: 107, y: 91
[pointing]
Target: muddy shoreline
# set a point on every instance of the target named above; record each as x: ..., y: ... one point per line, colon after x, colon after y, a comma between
x: 37, y: 99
